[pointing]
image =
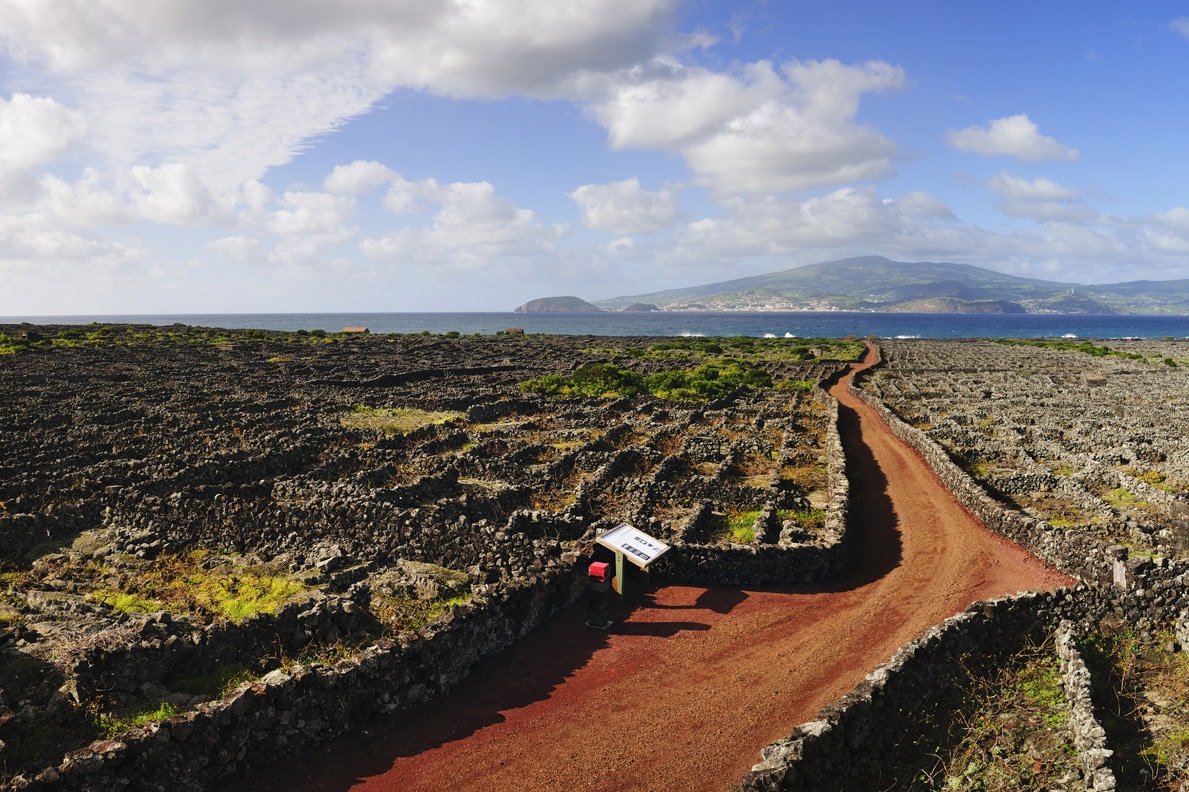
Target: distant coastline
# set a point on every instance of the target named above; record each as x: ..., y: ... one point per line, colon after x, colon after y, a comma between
x: 805, y: 324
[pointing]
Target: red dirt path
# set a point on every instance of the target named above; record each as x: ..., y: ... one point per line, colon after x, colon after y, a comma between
x: 690, y: 683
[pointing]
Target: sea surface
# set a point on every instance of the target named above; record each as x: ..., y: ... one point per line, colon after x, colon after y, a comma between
x: 805, y: 324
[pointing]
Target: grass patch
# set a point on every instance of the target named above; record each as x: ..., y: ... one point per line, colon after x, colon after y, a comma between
x: 404, y: 614
x: 813, y: 519
x: 490, y: 485
x: 182, y: 583
x: 741, y: 527
x: 758, y: 349
x: 1153, y: 478
x: 394, y: 420
x: 111, y: 725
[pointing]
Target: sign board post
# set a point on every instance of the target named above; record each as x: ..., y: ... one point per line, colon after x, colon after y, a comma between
x: 634, y: 545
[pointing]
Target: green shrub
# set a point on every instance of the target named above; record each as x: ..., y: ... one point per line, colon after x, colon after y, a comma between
x: 709, y: 381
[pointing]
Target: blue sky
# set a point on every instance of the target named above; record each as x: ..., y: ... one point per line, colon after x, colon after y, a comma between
x: 189, y: 156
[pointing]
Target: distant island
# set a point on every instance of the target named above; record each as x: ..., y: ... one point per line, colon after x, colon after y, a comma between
x: 874, y: 283
x: 558, y: 305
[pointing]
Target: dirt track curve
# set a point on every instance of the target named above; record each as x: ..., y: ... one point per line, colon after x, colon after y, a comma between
x: 690, y: 683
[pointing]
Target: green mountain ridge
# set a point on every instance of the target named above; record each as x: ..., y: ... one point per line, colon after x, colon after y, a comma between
x: 874, y: 283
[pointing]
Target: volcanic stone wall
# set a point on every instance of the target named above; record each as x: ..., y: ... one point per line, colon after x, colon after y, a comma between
x: 151, y: 650
x: 1088, y: 735
x: 855, y: 741
x: 292, y: 709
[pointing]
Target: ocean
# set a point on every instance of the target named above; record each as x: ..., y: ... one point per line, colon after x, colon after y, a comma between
x: 804, y: 324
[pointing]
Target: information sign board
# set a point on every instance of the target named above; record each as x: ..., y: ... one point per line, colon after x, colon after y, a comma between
x: 636, y: 546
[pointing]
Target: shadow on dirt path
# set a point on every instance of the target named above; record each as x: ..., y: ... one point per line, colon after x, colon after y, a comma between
x: 873, y: 527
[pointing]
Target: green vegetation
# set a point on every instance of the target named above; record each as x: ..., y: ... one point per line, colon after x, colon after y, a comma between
x: 394, y: 420
x: 111, y: 725
x: 1155, y: 478
x: 112, y: 335
x: 806, y: 518
x: 1086, y: 347
x: 746, y: 348
x: 184, y: 583
x: 12, y: 345
x: 741, y: 527
x: 1141, y: 697
x: 1121, y: 497
x: 801, y: 385
x: 404, y: 614
x: 1014, y: 735
x: 711, y: 380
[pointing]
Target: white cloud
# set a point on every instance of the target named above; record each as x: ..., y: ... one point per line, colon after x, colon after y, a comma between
x: 254, y: 196
x: 470, y: 225
x: 169, y: 193
x: 1042, y: 199
x: 759, y: 131
x: 848, y: 217
x: 230, y: 88
x: 36, y: 130
x: 306, y: 213
x: 1169, y: 232
x: 240, y: 248
x: 517, y: 46
x: 404, y: 196
x: 668, y: 104
x: 295, y: 229
x: 624, y: 207
x: 230, y: 127
x: 87, y: 202
x: 1014, y: 136
x: 359, y: 176
x: 1180, y: 25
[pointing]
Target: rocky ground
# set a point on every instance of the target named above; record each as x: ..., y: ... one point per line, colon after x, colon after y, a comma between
x: 1092, y: 438
x: 182, y: 509
x: 1095, y: 439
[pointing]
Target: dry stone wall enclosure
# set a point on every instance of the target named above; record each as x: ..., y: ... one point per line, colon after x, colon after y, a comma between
x: 397, y: 506
x: 357, y: 520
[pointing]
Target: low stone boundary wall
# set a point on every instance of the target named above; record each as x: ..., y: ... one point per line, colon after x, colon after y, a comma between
x: 848, y: 746
x: 1088, y: 735
x: 159, y: 648
x: 292, y: 709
